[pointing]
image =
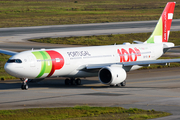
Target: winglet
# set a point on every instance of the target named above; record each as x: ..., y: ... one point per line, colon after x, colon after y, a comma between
x: 162, y: 29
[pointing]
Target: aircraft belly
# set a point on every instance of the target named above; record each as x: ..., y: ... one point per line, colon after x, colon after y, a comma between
x: 82, y: 74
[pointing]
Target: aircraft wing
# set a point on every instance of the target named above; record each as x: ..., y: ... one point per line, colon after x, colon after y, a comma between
x: 8, y: 52
x: 140, y: 63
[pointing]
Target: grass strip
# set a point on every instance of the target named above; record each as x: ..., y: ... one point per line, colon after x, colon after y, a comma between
x: 55, y: 12
x: 106, y: 39
x: 81, y: 112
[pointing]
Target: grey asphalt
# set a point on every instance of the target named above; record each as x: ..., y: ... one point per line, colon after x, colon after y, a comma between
x: 157, y: 89
x: 86, y: 27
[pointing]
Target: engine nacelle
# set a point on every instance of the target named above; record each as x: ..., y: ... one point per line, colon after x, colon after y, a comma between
x: 112, y: 75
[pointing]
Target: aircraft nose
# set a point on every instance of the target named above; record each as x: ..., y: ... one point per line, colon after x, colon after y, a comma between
x: 10, y: 69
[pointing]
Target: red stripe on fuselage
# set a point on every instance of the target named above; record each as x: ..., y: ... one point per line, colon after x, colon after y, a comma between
x: 56, y: 65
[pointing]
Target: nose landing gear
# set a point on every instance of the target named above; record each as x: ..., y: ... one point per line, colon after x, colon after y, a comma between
x: 24, y: 85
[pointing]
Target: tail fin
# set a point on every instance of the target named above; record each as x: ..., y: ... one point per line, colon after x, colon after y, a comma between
x: 162, y: 29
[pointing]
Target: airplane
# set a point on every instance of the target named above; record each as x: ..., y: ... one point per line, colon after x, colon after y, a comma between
x: 110, y: 62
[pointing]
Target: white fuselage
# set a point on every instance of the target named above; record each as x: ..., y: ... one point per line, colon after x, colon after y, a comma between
x: 69, y: 62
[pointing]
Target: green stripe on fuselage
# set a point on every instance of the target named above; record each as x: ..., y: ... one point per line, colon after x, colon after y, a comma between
x: 46, y: 62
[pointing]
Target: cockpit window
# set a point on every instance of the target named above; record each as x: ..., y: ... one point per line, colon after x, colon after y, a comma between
x: 18, y: 61
x: 14, y: 61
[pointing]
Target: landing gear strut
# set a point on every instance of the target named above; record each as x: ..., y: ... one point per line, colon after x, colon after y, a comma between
x: 72, y: 81
x: 24, y: 85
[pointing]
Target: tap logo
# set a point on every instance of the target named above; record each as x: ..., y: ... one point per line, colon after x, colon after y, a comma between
x: 128, y: 56
x: 50, y: 62
x: 167, y: 17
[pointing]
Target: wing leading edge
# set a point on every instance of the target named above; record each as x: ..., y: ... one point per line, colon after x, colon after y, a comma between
x: 11, y: 53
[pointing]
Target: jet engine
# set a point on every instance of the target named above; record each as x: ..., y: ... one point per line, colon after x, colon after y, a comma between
x: 112, y: 75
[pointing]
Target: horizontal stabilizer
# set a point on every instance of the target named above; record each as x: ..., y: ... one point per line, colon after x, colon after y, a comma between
x: 138, y: 42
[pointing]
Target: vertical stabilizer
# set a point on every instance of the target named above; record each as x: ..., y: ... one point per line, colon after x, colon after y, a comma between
x: 162, y: 29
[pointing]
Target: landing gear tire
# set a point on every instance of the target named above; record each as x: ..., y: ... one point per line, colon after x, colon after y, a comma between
x: 78, y: 81
x: 123, y: 83
x: 24, y: 87
x: 73, y: 81
x: 67, y: 81
x: 118, y: 85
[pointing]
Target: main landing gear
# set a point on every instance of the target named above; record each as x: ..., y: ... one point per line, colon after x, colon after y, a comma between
x: 120, y: 84
x: 123, y: 83
x: 24, y: 85
x: 72, y: 81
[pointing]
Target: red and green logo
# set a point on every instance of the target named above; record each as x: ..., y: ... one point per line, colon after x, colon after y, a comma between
x: 50, y: 62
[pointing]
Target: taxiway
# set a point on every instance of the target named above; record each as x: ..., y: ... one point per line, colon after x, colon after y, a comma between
x: 156, y: 89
